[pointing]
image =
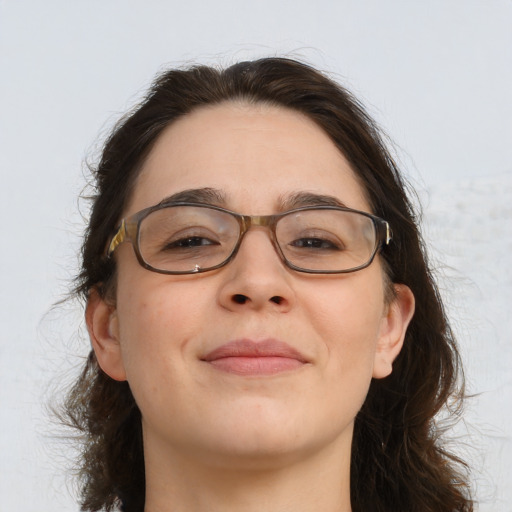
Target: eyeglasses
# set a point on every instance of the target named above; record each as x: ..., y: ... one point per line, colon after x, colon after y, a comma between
x: 188, y: 238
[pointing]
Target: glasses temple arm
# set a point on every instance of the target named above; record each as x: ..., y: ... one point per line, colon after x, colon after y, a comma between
x: 389, y: 233
x: 117, y: 239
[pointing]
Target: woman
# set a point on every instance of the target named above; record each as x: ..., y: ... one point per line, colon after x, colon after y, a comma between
x: 266, y: 333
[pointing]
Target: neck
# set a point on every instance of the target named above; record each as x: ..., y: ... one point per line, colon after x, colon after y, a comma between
x: 318, y: 481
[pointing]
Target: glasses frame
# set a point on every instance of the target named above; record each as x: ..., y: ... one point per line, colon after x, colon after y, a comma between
x: 129, y: 230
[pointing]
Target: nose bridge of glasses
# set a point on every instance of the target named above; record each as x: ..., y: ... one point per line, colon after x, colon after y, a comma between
x: 259, y: 221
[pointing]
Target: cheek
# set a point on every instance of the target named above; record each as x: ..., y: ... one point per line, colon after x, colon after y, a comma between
x: 348, y: 316
x: 155, y: 326
x: 156, y: 319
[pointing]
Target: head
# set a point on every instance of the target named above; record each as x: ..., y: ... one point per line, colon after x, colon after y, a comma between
x: 393, y: 418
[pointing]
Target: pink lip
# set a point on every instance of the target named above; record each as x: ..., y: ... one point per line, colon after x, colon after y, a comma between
x: 247, y: 357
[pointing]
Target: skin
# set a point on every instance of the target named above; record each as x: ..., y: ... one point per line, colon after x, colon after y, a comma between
x: 249, y: 442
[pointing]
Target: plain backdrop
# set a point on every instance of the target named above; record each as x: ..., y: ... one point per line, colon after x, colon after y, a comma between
x: 437, y: 75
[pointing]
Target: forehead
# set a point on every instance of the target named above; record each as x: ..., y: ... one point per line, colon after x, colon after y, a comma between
x: 255, y: 155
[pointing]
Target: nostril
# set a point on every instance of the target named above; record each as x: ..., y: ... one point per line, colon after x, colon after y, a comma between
x: 239, y: 298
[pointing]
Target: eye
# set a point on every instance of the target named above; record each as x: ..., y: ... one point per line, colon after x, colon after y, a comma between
x: 316, y: 243
x: 189, y: 242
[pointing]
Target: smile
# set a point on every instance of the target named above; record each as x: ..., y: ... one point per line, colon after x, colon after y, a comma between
x: 247, y: 357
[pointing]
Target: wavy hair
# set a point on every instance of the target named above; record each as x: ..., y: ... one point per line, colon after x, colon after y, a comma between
x: 399, y: 461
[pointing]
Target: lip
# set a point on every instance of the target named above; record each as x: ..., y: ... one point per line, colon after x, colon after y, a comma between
x: 249, y: 357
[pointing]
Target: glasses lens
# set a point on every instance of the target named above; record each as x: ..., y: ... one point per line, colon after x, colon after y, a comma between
x: 327, y: 240
x: 187, y: 238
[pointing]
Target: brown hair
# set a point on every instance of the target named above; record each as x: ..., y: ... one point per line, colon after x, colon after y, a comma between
x: 398, y: 460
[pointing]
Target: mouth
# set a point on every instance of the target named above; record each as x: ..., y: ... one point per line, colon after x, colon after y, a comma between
x: 248, y: 357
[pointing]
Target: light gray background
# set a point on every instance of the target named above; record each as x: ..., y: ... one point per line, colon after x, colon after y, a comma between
x: 437, y: 74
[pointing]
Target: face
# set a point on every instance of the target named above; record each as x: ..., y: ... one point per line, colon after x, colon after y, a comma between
x: 191, y: 346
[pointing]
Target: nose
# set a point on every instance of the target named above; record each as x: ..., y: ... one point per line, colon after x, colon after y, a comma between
x: 257, y: 279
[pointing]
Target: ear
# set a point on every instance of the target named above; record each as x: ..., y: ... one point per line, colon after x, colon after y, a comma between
x: 103, y: 326
x: 392, y: 331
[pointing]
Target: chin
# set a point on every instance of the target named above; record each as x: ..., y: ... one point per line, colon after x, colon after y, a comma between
x: 259, y: 454
x: 260, y: 442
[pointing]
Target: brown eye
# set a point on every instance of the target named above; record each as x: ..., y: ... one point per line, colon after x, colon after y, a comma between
x: 189, y: 242
x: 315, y: 243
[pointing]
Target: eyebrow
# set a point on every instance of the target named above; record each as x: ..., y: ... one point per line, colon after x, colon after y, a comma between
x: 216, y: 197
x: 205, y: 195
x: 301, y: 199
